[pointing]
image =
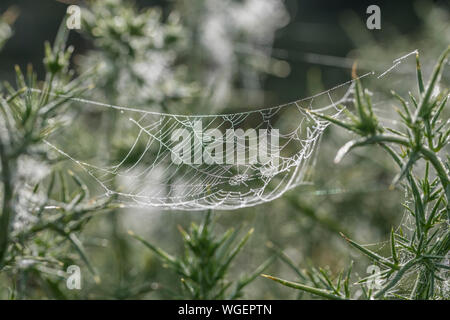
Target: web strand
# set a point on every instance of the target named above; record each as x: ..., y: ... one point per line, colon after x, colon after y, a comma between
x: 154, y: 170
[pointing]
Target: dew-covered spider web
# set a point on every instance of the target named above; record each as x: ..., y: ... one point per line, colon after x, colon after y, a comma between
x: 198, y: 162
x: 225, y: 161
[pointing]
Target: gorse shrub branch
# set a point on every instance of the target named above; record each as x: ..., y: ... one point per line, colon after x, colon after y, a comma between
x: 204, y: 266
x: 44, y: 206
x: 137, y: 53
x: 420, y: 251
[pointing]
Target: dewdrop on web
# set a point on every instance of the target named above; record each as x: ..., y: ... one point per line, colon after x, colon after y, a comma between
x: 218, y: 161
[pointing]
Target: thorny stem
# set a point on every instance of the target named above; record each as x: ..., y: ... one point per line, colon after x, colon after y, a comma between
x: 397, y: 278
x: 316, y: 291
x: 426, y: 153
x: 436, y: 74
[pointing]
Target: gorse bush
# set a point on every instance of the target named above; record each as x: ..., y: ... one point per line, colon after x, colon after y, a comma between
x: 137, y: 53
x: 43, y: 206
x: 204, y: 266
x: 46, y: 206
x: 418, y: 266
x: 50, y: 220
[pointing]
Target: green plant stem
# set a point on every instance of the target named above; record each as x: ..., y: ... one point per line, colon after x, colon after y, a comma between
x: 429, y: 91
x: 325, y: 222
x: 318, y: 292
x: 426, y: 153
x: 397, y: 278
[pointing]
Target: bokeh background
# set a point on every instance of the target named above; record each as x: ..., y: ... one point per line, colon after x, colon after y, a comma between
x: 238, y: 55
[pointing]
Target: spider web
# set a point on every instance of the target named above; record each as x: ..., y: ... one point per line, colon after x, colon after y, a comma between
x: 150, y: 173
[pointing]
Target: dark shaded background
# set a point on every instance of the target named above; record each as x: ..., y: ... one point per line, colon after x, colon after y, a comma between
x: 314, y: 29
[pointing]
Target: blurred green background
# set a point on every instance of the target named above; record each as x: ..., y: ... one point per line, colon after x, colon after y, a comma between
x: 282, y: 51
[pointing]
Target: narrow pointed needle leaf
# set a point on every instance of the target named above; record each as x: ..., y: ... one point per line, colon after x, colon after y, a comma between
x: 233, y: 254
x: 432, y: 83
x: 393, y: 249
x: 371, y: 254
x: 161, y: 253
x: 333, y: 120
x: 419, y: 75
x: 80, y: 248
x: 249, y: 278
x: 318, y: 292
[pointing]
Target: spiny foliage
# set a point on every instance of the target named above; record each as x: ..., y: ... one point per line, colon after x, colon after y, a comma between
x: 418, y: 266
x: 137, y: 52
x: 203, y: 267
x: 44, y: 206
